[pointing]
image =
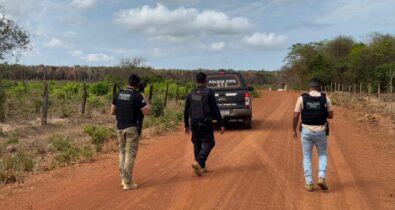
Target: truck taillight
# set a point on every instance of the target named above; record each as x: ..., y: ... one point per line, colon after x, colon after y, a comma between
x: 247, y: 99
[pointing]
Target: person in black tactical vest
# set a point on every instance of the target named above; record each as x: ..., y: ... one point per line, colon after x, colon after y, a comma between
x: 315, y: 108
x: 200, y: 109
x: 129, y: 106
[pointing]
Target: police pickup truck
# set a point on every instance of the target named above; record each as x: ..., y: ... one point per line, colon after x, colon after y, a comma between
x: 232, y: 95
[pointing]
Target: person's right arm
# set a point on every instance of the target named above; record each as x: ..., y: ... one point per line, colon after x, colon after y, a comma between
x: 215, y: 111
x: 296, y: 115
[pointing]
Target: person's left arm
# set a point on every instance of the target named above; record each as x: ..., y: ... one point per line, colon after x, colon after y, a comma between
x: 142, y: 104
x: 215, y: 110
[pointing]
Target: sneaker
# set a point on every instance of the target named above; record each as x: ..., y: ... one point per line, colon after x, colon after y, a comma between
x: 322, y: 183
x: 197, y: 169
x: 122, y: 183
x: 309, y: 187
x: 129, y: 187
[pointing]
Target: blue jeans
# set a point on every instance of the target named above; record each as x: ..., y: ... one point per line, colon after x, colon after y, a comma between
x: 309, y: 140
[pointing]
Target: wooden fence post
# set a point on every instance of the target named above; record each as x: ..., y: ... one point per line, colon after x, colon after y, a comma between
x: 360, y: 89
x: 151, y: 89
x: 355, y: 89
x: 3, y: 103
x: 379, y: 94
x: 391, y: 98
x: 331, y: 87
x: 177, y: 93
x: 166, y: 93
x: 44, y: 117
x: 369, y: 91
x: 84, y: 98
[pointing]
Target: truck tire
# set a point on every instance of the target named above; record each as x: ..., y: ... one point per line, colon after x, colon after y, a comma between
x: 247, y: 123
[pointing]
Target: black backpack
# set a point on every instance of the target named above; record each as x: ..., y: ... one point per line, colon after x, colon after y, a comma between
x: 199, y: 105
x: 315, y: 111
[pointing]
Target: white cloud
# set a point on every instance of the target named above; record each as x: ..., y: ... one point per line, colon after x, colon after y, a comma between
x: 70, y: 34
x: 159, y: 21
x: 55, y: 43
x: 180, y: 1
x: 357, y: 11
x: 217, y: 46
x: 171, y: 39
x: 76, y: 53
x: 83, y: 4
x: 265, y: 41
x: 157, y: 52
x: 91, y: 57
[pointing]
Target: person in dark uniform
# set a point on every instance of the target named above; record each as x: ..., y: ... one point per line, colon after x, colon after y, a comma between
x: 129, y: 107
x: 200, y: 108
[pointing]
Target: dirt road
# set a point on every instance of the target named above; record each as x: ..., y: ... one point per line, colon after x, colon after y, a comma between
x: 249, y: 169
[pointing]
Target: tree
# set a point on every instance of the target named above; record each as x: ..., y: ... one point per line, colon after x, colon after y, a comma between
x: 306, y: 59
x: 342, y: 60
x: 337, y: 53
x: 133, y: 62
x: 12, y: 37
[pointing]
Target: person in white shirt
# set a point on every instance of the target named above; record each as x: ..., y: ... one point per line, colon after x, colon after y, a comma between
x: 315, y: 108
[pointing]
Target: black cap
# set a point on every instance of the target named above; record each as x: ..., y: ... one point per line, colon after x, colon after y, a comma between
x: 134, y: 80
x: 315, y: 83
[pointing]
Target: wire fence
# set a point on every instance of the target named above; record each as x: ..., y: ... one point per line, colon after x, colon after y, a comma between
x: 26, y: 101
x: 376, y: 96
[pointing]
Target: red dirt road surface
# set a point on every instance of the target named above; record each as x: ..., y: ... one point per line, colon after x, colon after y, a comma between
x: 249, y: 169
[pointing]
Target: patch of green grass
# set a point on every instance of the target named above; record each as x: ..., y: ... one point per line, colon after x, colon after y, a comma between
x: 99, y: 135
x: 12, y: 140
x: 13, y: 166
x: 167, y: 122
x: 67, y: 152
x: 157, y: 108
x: 255, y: 94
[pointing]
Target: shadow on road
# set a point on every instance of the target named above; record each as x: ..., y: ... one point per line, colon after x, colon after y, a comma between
x: 213, y: 172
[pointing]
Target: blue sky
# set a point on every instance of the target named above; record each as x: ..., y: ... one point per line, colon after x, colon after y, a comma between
x: 189, y: 34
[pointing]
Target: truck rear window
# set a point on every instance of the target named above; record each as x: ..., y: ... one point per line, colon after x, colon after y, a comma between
x: 223, y: 81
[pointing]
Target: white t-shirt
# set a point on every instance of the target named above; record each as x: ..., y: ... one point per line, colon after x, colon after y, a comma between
x: 299, y: 108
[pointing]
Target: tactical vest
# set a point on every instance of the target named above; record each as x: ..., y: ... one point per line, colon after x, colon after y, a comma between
x: 125, y: 113
x: 199, y: 105
x: 315, y: 111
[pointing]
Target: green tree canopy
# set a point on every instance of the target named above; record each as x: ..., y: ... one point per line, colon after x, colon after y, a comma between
x: 12, y: 37
x: 342, y: 60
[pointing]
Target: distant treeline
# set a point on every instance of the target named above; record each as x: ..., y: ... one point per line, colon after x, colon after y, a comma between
x: 342, y: 60
x: 84, y: 73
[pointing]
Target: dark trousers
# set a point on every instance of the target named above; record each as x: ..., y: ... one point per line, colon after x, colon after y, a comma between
x: 203, y: 141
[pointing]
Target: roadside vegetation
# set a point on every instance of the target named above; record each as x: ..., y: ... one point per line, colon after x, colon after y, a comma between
x: 342, y: 60
x: 20, y: 156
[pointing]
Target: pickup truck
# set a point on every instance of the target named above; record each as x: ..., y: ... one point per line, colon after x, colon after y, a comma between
x: 232, y: 95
